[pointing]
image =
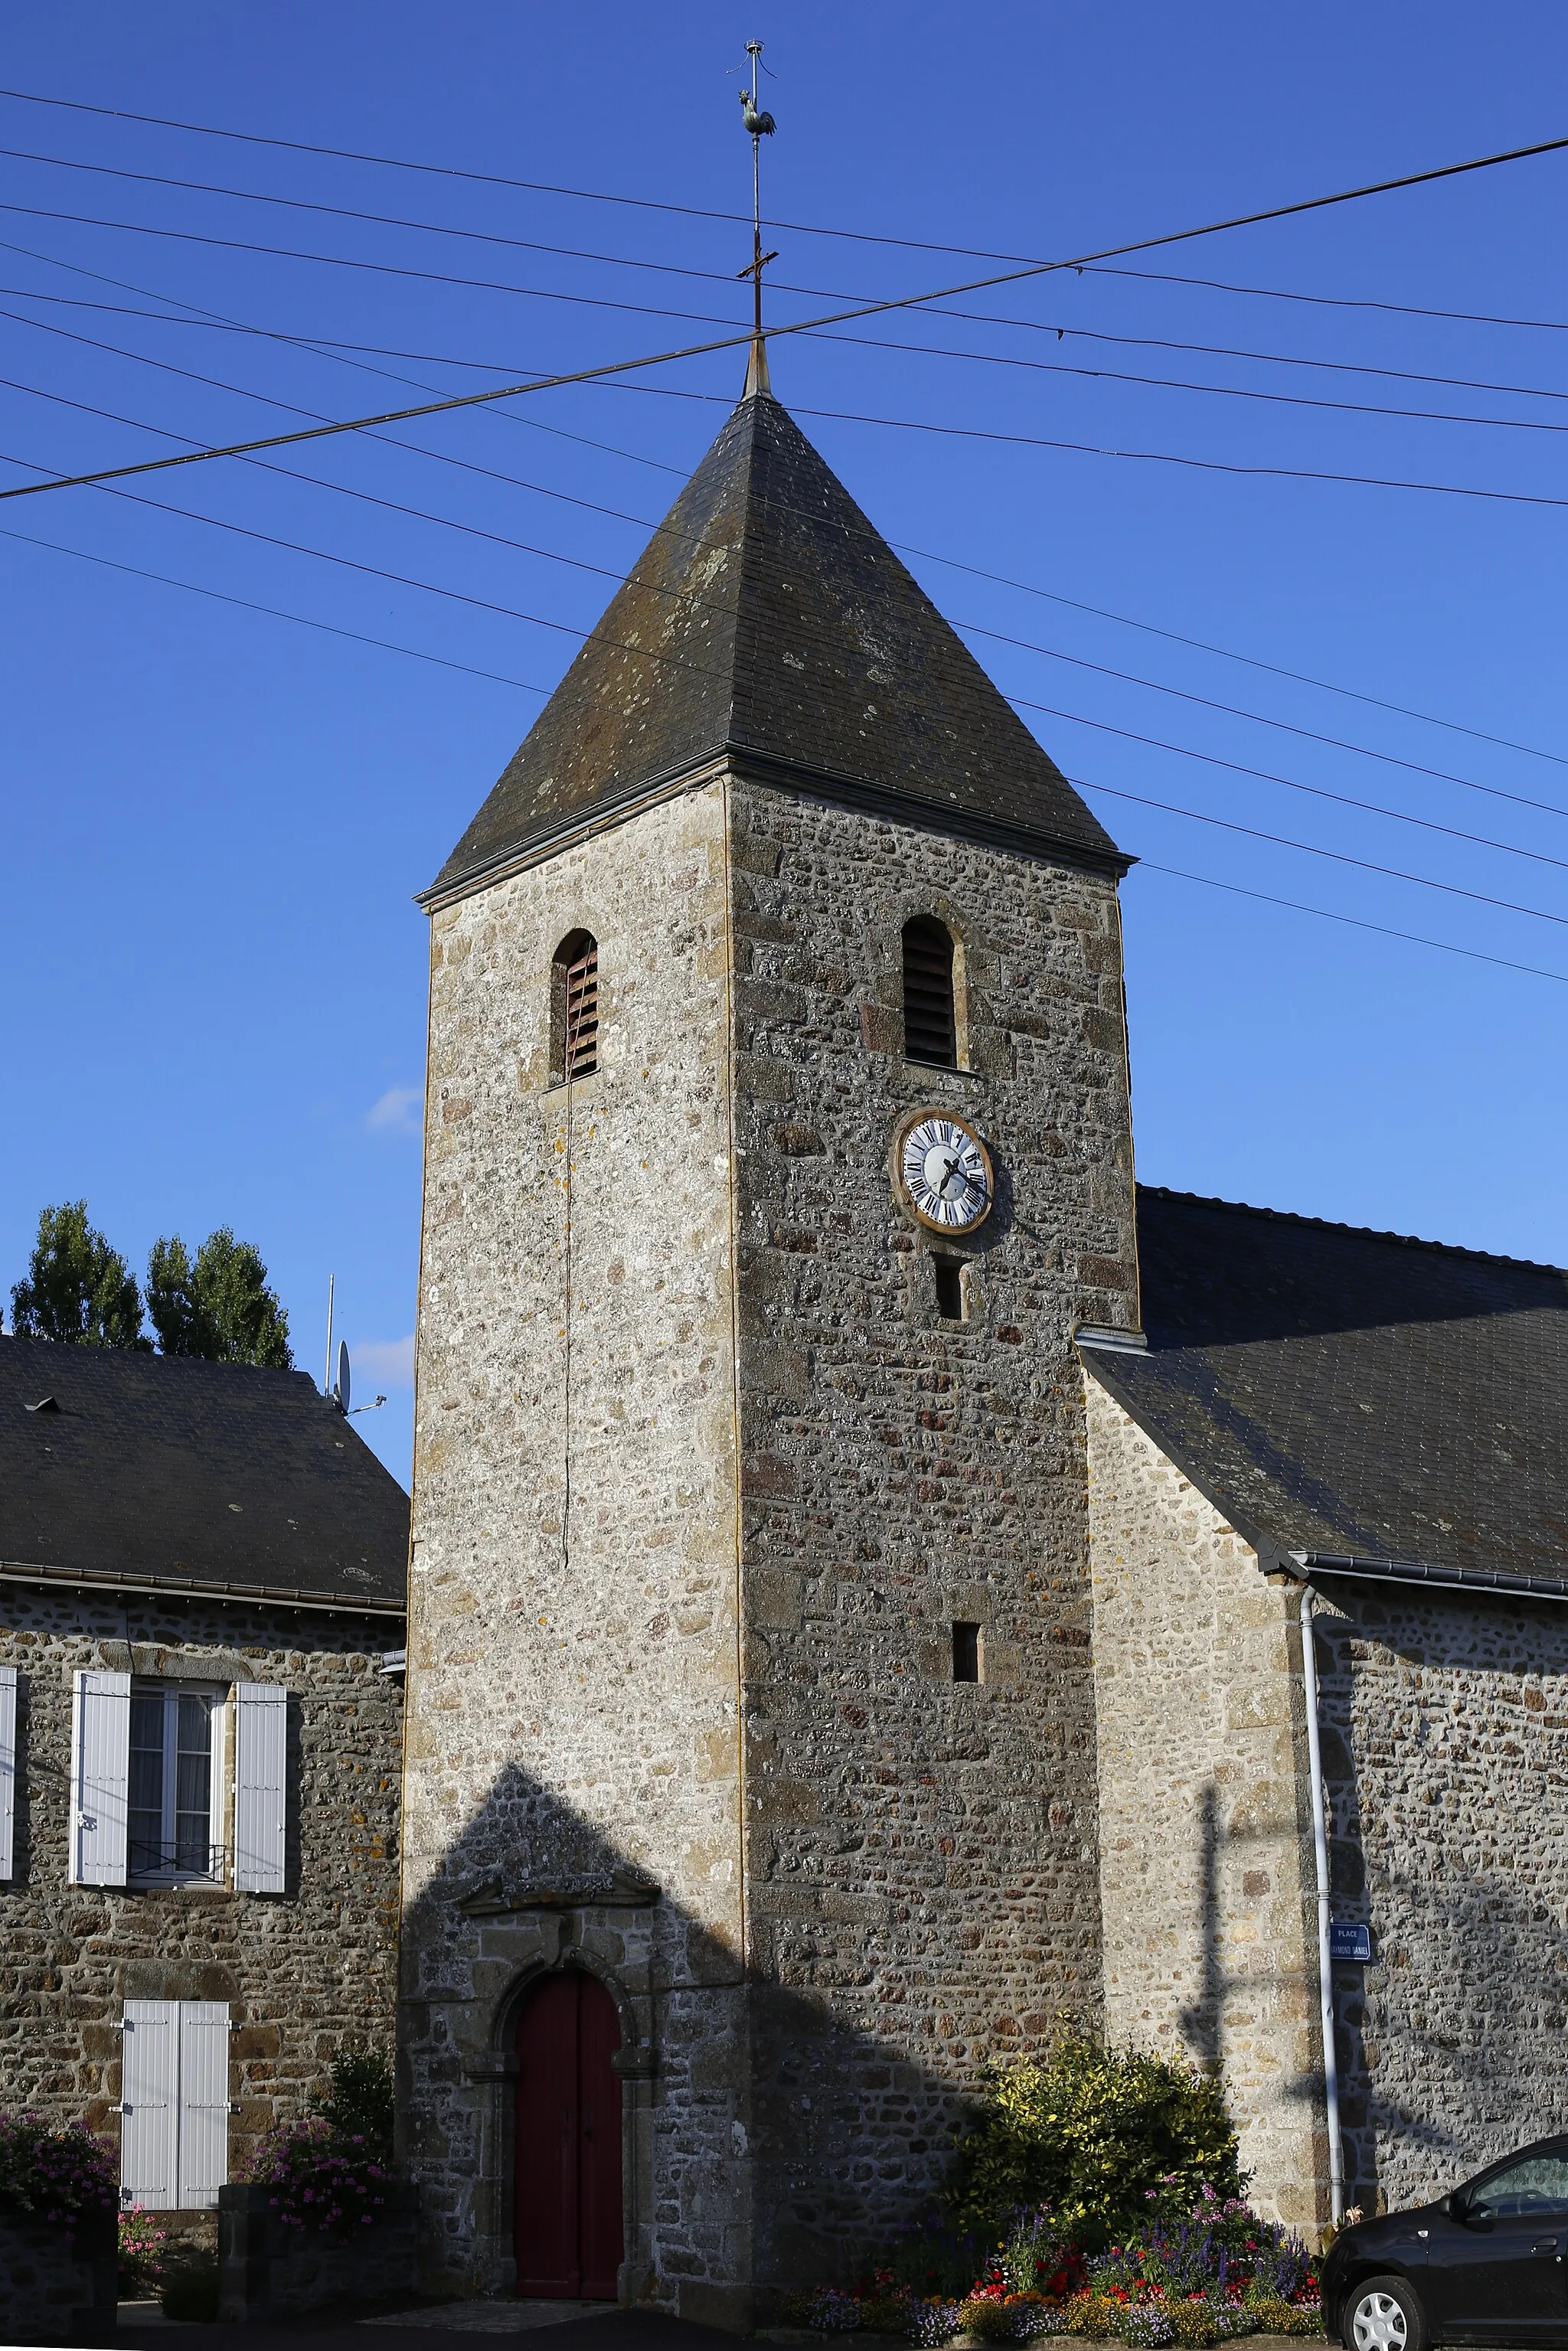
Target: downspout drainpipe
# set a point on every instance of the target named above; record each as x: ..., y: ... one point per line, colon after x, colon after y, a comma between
x: 1325, y: 1964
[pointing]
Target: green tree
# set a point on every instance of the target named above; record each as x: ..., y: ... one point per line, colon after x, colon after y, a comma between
x: 78, y: 1290
x: 218, y: 1305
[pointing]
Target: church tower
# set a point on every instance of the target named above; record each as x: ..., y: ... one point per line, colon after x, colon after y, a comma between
x: 778, y: 1139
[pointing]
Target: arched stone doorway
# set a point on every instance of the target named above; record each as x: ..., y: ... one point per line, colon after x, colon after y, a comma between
x: 570, y: 2238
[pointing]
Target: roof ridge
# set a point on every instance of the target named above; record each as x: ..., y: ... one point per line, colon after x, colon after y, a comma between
x: 1365, y: 1232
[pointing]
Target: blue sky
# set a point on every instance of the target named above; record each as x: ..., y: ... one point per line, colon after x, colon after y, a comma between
x: 215, y: 820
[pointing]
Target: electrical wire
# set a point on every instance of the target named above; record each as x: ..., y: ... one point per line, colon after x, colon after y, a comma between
x: 711, y: 319
x: 664, y: 660
x: 1050, y: 653
x: 274, y: 612
x: 325, y: 345
x: 1333, y: 302
x: 1289, y: 783
x: 1258, y: 718
x: 1308, y: 849
x: 1249, y: 661
x: 723, y: 277
x: 901, y: 302
x: 699, y: 212
x: 1354, y: 922
x: 467, y: 669
x: 1022, y: 587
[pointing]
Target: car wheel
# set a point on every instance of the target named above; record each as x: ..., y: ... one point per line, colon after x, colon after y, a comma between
x: 1383, y: 2315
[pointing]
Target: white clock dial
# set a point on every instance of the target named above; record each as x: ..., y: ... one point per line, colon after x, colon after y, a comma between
x: 944, y: 1172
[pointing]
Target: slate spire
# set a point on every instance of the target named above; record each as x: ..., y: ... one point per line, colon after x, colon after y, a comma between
x: 769, y: 622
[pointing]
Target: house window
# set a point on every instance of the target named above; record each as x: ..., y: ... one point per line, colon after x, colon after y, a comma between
x: 930, y: 1021
x: 966, y: 1657
x: 574, y: 1007
x: 157, y: 1770
x: 949, y: 1277
x: 174, y: 1821
x: 174, y: 2104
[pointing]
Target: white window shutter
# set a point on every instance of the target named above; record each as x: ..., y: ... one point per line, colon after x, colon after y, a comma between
x: 150, y: 2105
x: 7, y: 1770
x: 261, y: 1747
x: 204, y: 2102
x: 100, y: 1777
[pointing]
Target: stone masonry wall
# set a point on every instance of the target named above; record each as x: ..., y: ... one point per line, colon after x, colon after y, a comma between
x: 921, y: 1855
x: 1446, y: 1756
x: 1206, y: 1867
x: 573, y: 1678
x: 305, y: 1970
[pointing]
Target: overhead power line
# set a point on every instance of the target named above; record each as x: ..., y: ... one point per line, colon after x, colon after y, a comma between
x: 1354, y: 922
x: 1023, y: 644
x: 1102, y: 375
x: 709, y: 317
x: 329, y: 346
x: 272, y: 611
x: 1376, y: 701
x: 700, y: 212
x: 1337, y: 302
x: 611, y: 368
x: 467, y: 669
x: 726, y: 277
x: 1309, y: 849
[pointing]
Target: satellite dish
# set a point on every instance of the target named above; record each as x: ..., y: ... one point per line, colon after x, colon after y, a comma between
x: 342, y: 1391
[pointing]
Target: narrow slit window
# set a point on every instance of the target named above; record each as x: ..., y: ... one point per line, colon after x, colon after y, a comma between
x: 966, y: 1653
x: 930, y: 1024
x: 575, y: 1009
x: 949, y: 1273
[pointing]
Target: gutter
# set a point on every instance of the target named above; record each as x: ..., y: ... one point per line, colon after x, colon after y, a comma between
x: 1415, y: 1571
x: 187, y: 1587
x: 1325, y: 1963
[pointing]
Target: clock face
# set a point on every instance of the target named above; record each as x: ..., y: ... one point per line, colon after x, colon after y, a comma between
x: 944, y: 1171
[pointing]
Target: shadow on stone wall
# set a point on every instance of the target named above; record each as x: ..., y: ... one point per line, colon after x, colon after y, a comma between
x: 1451, y: 2044
x: 777, y: 2131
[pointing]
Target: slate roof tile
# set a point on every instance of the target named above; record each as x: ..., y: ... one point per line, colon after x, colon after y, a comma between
x: 162, y: 1466
x: 1350, y: 1392
x: 768, y: 616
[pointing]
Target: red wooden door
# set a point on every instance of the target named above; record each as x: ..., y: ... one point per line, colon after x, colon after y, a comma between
x: 568, y: 2232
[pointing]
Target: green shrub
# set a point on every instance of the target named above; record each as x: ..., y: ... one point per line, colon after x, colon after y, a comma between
x: 1106, y: 2137
x: 358, y: 2100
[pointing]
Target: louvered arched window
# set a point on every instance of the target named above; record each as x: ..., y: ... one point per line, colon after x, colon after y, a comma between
x: 574, y: 1007
x: 930, y: 1021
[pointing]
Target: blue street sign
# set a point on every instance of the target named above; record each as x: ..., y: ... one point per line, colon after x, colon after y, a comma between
x: 1348, y: 1941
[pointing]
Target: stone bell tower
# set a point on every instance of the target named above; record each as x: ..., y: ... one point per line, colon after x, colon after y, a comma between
x: 778, y: 1139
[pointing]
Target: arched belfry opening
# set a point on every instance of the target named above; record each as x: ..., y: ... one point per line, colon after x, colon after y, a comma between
x: 569, y: 2230
x: 930, y: 1003
x: 574, y: 1007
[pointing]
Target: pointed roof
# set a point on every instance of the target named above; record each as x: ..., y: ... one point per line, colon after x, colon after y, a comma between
x: 769, y: 621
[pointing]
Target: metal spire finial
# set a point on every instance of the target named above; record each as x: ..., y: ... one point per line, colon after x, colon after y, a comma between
x: 761, y: 126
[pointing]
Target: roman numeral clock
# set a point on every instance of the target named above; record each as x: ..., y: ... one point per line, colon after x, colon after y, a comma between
x: 942, y: 1172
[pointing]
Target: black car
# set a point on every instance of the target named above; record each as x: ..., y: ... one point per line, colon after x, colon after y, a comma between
x: 1488, y: 2264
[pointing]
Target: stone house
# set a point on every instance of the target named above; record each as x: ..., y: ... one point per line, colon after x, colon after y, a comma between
x: 803, y: 1601
x: 202, y: 1583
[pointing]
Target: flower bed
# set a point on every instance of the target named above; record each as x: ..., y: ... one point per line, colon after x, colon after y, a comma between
x: 318, y: 2179
x: 65, y: 2178
x: 1215, y: 2273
